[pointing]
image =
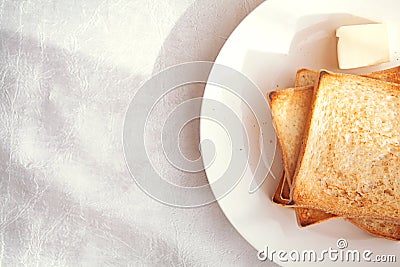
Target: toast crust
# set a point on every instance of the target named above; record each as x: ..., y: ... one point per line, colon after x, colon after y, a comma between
x: 277, y: 197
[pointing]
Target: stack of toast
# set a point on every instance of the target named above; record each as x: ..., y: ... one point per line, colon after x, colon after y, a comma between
x: 340, y: 140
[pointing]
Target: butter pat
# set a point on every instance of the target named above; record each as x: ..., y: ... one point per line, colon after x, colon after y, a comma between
x: 362, y: 45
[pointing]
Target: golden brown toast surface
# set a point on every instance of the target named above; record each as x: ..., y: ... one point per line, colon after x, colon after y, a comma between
x: 358, y: 157
x: 306, y: 216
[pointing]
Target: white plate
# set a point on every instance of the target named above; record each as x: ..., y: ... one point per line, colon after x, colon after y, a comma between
x: 275, y: 40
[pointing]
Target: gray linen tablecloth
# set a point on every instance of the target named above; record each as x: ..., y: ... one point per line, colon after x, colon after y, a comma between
x: 68, y: 72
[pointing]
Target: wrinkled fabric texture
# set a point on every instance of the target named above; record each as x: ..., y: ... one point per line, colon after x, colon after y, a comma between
x: 68, y: 71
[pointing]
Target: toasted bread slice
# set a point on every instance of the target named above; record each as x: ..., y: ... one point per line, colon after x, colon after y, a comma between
x: 358, y: 157
x: 290, y: 149
x: 306, y: 216
x: 306, y: 77
x: 290, y: 108
x: 290, y: 111
x: 286, y: 105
